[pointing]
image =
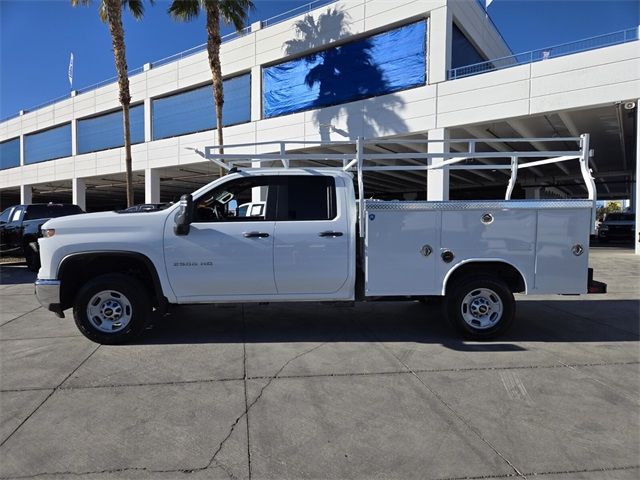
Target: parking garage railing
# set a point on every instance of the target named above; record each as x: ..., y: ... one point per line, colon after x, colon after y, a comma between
x: 592, y: 43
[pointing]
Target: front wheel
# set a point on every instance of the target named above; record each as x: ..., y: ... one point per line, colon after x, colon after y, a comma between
x: 480, y: 307
x: 112, y: 308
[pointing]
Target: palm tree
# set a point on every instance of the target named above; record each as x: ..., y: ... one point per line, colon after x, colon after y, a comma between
x: 111, y: 13
x: 234, y: 12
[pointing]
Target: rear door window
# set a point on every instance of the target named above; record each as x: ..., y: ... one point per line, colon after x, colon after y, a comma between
x: 307, y: 198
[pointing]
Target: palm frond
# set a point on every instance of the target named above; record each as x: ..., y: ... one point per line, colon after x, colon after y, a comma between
x: 102, y: 12
x: 184, y: 9
x: 236, y: 12
x: 84, y: 3
x: 136, y: 7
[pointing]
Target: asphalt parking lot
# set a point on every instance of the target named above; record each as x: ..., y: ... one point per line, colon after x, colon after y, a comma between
x: 318, y: 391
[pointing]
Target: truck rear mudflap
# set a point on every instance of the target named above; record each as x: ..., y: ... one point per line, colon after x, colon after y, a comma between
x: 594, y: 286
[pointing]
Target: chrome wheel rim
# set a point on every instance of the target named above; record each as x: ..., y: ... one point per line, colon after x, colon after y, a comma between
x: 109, y: 311
x: 482, y: 308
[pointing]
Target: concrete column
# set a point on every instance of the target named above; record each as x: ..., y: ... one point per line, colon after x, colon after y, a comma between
x: 74, y: 137
x: 152, y: 185
x: 147, y: 120
x: 439, y: 45
x: 79, y: 192
x: 258, y: 194
x: 438, y: 180
x: 26, y: 194
x: 256, y: 88
x: 256, y: 93
x: 637, y: 183
x: 22, y: 150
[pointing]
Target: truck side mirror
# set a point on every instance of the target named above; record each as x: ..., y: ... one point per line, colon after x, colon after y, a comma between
x: 184, y: 216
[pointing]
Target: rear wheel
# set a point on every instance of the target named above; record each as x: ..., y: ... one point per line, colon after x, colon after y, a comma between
x: 480, y: 307
x: 112, y: 308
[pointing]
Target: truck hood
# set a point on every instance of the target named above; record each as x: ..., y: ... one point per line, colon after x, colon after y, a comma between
x: 107, y: 221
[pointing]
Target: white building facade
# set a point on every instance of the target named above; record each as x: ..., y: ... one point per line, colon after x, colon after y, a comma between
x: 405, y: 69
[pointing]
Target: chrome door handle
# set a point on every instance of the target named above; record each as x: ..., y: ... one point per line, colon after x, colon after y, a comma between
x: 255, y: 235
x: 330, y: 234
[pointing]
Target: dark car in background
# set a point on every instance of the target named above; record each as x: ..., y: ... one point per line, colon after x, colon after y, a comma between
x: 20, y: 228
x: 617, y: 226
x: 145, y: 207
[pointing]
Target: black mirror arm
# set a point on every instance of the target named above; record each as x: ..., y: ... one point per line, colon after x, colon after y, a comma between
x: 184, y: 216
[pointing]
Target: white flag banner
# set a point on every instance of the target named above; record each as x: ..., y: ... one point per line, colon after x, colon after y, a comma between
x: 70, y: 72
x: 487, y: 3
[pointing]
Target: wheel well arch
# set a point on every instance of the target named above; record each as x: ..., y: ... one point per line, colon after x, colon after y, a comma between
x: 76, y: 269
x: 512, y: 275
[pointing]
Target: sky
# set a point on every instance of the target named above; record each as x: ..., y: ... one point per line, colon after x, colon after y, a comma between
x: 37, y: 37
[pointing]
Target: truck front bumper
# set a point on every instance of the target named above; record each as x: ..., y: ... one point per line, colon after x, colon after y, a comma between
x: 48, y: 294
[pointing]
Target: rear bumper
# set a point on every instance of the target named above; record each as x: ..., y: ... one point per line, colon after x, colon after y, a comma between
x: 48, y: 294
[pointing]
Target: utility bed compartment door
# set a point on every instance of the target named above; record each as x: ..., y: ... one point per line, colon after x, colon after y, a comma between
x: 395, y: 263
x: 558, y: 269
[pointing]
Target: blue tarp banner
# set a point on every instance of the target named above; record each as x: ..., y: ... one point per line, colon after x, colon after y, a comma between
x: 377, y: 65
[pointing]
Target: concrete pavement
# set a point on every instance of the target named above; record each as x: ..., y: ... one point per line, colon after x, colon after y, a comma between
x: 381, y: 390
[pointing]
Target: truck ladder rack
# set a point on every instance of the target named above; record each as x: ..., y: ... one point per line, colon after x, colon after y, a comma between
x: 360, y: 161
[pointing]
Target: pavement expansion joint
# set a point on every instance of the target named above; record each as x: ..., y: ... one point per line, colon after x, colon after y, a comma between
x: 244, y: 383
x: 20, y: 316
x: 38, y: 338
x: 449, y: 407
x: 49, y: 396
x: 190, y: 471
x: 325, y: 375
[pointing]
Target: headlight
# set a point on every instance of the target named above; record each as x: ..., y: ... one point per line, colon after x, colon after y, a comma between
x: 48, y: 232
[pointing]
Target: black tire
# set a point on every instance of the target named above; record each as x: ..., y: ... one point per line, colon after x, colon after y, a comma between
x: 32, y: 259
x: 464, y: 305
x: 126, y: 295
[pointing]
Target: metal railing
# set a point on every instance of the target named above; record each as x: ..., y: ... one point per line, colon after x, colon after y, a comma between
x: 361, y: 160
x: 592, y: 43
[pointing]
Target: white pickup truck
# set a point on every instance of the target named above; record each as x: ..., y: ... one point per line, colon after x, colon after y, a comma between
x: 317, y: 241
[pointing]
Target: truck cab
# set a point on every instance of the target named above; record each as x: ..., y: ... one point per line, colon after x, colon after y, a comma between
x: 301, y: 249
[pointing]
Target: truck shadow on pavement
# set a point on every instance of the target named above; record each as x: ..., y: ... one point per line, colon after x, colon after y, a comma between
x: 579, y: 319
x: 536, y: 321
x: 15, y: 273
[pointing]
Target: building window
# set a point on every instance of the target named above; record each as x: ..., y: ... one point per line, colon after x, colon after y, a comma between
x: 463, y: 52
x: 106, y: 131
x: 381, y: 64
x: 194, y: 110
x: 10, y: 153
x: 48, y: 144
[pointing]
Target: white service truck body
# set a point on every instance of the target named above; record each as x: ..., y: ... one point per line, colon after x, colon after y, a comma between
x: 315, y: 242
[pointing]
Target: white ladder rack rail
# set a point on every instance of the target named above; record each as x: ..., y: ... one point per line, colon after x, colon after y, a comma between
x: 355, y: 161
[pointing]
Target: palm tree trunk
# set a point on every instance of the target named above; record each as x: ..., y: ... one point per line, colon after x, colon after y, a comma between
x: 114, y: 20
x: 213, y: 49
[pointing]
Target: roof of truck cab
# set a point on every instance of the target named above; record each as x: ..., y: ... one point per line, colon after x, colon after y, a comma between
x: 336, y: 172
